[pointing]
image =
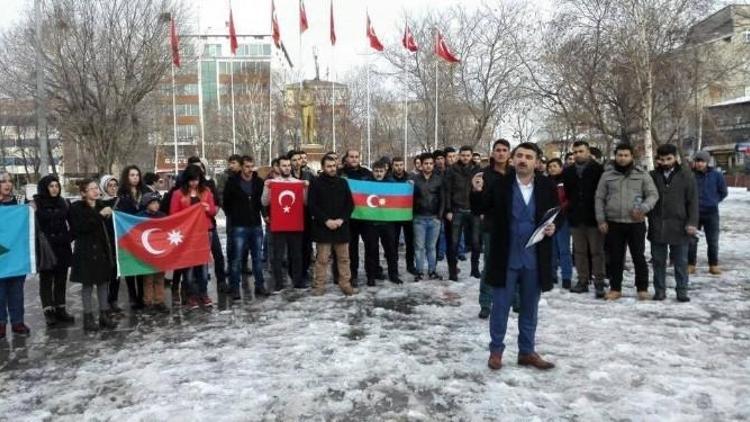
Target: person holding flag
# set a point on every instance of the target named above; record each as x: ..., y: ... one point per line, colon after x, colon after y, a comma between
x: 193, y: 190
x: 92, y: 254
x: 352, y: 169
x: 11, y: 287
x: 287, y: 223
x: 384, y: 232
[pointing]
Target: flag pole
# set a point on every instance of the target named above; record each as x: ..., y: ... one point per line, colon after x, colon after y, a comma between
x: 436, y: 104
x: 406, y: 114
x: 270, y: 109
x: 200, y: 88
x: 231, y: 87
x: 174, y: 123
x: 333, y: 95
x: 369, y: 150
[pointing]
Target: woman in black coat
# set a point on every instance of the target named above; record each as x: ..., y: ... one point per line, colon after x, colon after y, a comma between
x: 52, y: 220
x: 129, y: 197
x: 92, y: 256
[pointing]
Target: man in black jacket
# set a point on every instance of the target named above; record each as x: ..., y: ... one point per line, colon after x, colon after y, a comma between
x: 580, y: 182
x: 242, y: 195
x: 330, y: 204
x: 458, y: 211
x: 429, y: 205
x: 517, y: 204
x: 358, y: 228
x: 399, y: 174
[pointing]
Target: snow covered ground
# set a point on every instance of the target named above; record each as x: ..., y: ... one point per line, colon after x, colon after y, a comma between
x: 416, y: 352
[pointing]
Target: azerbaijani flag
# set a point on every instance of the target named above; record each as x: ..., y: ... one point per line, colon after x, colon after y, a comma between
x: 155, y: 245
x: 382, y: 201
x: 17, y: 241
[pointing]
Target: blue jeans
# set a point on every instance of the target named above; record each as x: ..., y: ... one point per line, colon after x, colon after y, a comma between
x: 218, y: 255
x: 426, y: 232
x: 710, y: 225
x: 442, y: 244
x: 195, y: 280
x: 561, y: 253
x: 679, y: 255
x: 502, y: 298
x: 246, y: 238
x: 11, y: 299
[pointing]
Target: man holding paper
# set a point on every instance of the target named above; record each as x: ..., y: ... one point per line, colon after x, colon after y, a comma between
x: 518, y: 203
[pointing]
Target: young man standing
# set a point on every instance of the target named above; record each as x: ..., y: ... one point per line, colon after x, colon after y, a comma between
x: 712, y: 189
x: 623, y: 198
x: 561, y: 253
x: 429, y: 204
x: 496, y: 170
x: 242, y: 205
x: 400, y: 175
x: 285, y: 246
x: 673, y: 222
x: 580, y: 182
x: 330, y: 205
x: 458, y: 211
x: 357, y: 228
x: 385, y: 233
x: 516, y: 204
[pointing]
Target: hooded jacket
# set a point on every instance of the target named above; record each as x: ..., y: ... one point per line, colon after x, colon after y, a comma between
x: 52, y: 215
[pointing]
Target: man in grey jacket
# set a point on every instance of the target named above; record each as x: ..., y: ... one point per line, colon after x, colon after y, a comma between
x: 673, y: 222
x: 624, y: 196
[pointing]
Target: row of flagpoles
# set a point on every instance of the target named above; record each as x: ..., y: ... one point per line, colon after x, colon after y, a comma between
x: 441, y: 50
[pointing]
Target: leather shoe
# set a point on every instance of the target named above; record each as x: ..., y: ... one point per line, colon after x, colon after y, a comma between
x: 534, y: 360
x: 495, y: 361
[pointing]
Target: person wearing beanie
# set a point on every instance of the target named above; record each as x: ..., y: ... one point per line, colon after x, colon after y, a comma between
x: 712, y: 189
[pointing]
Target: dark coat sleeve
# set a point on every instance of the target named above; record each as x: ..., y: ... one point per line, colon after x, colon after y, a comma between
x: 348, y: 203
x: 313, y: 204
x: 691, y: 197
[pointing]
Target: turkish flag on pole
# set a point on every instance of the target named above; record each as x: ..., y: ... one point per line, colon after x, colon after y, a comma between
x: 175, y: 43
x: 374, y: 41
x: 287, y: 206
x: 302, y: 17
x: 442, y: 50
x: 276, y: 32
x: 333, y: 29
x: 408, y: 40
x: 232, y: 33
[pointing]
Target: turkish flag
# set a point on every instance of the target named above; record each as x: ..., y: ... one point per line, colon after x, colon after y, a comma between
x: 287, y: 203
x: 408, y: 41
x: 302, y: 17
x: 174, y: 41
x: 232, y: 34
x: 374, y: 41
x: 276, y: 32
x: 442, y: 50
x: 152, y: 245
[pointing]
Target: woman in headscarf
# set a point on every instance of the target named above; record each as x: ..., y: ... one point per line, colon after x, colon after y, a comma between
x: 109, y: 187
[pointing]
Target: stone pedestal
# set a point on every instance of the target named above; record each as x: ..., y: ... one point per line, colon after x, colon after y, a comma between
x: 315, y: 153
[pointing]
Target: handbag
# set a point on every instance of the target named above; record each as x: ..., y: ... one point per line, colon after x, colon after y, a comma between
x: 45, y: 255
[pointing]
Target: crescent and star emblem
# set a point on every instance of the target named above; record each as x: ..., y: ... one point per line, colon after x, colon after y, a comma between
x: 374, y: 201
x: 174, y: 237
x: 287, y: 208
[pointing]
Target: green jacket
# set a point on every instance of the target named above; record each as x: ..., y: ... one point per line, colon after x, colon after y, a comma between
x: 619, y: 193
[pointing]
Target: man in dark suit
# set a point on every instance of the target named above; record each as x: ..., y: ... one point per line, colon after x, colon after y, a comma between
x: 517, y: 204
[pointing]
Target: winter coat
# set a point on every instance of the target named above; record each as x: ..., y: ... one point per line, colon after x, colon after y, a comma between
x: 405, y: 177
x: 93, y: 261
x: 148, y: 214
x: 676, y: 208
x: 712, y: 189
x: 496, y: 203
x: 355, y: 173
x: 52, y: 219
x: 562, y: 198
x: 127, y: 203
x: 581, y: 193
x: 618, y: 194
x: 457, y: 182
x: 489, y: 177
x: 180, y: 201
x: 241, y: 210
x: 329, y: 198
x: 429, y: 196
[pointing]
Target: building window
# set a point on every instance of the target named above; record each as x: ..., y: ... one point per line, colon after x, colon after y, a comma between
x: 212, y: 50
x: 186, y: 133
x: 187, y: 109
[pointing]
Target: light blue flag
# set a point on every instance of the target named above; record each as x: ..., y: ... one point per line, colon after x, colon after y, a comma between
x: 17, y: 241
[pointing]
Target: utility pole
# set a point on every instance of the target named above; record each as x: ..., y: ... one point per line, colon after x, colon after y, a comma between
x: 41, y: 97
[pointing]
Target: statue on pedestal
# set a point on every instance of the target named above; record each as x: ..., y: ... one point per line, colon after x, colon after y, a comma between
x: 307, y: 107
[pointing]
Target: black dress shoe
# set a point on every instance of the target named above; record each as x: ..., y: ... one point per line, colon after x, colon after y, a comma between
x: 484, y: 313
x: 682, y: 296
x: 370, y: 282
x: 418, y: 277
x: 396, y: 280
x: 435, y: 276
x: 261, y: 292
x: 63, y: 316
x: 580, y: 288
x: 659, y: 295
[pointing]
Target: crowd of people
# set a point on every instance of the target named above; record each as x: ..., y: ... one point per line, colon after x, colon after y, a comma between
x: 460, y: 207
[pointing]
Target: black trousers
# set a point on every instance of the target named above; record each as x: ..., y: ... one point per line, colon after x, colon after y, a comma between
x: 114, y: 287
x: 52, y: 287
x: 385, y: 233
x: 633, y: 237
x: 135, y: 289
x: 408, y: 229
x: 286, y: 247
x: 361, y: 229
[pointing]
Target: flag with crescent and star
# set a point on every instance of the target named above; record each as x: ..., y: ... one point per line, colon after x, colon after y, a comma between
x: 155, y: 245
x: 287, y: 206
x: 381, y: 201
x: 17, y: 241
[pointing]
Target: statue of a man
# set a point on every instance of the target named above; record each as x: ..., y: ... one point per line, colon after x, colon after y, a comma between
x: 307, y: 104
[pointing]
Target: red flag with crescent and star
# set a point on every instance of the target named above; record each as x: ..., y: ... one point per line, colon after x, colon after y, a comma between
x: 287, y: 206
x: 155, y: 245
